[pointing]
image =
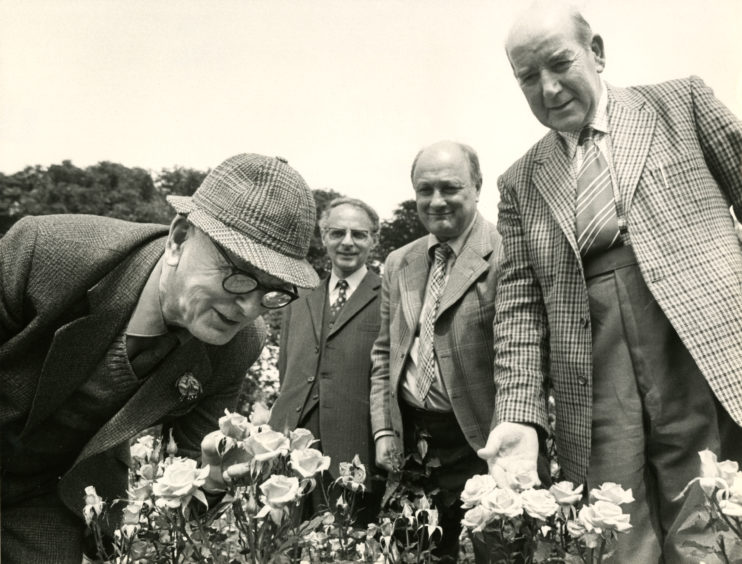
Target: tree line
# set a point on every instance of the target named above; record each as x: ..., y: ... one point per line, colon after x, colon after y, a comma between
x: 135, y: 194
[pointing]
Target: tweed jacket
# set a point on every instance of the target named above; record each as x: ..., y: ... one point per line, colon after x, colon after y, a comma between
x: 338, y: 368
x: 463, y: 332
x: 676, y: 151
x: 68, y: 287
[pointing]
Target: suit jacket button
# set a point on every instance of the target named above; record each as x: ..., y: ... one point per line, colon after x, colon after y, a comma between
x: 310, y: 379
x: 316, y: 349
x: 315, y: 396
x: 298, y: 409
x: 582, y: 380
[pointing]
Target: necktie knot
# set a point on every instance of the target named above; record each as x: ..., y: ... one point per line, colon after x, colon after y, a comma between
x: 586, y: 135
x: 442, y: 252
x: 342, y: 285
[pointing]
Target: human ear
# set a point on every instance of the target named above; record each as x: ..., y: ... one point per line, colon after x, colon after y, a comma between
x: 598, y: 51
x: 180, y: 230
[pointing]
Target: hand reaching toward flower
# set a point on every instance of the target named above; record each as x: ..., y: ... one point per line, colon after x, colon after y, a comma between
x: 514, y: 442
x: 387, y: 456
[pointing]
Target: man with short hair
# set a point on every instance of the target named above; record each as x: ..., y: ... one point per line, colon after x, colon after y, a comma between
x: 109, y: 327
x: 622, y: 288
x: 432, y: 361
x: 326, y: 337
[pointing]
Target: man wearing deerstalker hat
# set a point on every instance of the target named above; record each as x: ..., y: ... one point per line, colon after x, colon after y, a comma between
x: 109, y: 327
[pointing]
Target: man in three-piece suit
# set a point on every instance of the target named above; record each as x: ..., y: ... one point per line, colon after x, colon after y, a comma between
x: 109, y: 327
x: 622, y: 282
x: 326, y: 337
x: 432, y: 361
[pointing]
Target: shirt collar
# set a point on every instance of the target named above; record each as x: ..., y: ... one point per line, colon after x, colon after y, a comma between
x: 354, y: 280
x: 599, y: 123
x: 456, y: 244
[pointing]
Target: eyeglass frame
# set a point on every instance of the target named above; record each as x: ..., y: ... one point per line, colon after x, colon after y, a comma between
x: 369, y: 235
x: 293, y: 295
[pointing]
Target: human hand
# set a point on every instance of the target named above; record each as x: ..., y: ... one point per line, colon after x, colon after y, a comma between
x: 387, y: 455
x: 508, y: 443
x: 212, y: 453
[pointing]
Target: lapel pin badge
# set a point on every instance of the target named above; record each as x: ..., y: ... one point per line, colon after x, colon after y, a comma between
x: 189, y: 387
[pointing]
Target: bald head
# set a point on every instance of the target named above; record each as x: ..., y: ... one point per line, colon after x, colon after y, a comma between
x: 557, y: 60
x: 447, y: 180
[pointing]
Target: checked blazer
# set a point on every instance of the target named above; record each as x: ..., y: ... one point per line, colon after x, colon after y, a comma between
x: 68, y: 287
x: 676, y: 151
x: 463, y: 332
x: 332, y: 363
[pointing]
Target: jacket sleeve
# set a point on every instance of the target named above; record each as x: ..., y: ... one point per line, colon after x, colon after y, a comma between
x: 380, y: 392
x: 719, y: 132
x: 229, y: 365
x: 520, y: 325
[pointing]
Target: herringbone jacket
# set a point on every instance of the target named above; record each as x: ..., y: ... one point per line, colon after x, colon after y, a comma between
x: 676, y: 151
x: 463, y: 332
x: 68, y: 287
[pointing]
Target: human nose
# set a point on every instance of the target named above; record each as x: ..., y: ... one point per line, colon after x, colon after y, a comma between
x: 550, y: 85
x: 347, y: 238
x: 437, y: 200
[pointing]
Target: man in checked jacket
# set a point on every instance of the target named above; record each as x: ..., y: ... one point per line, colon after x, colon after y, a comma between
x: 622, y: 283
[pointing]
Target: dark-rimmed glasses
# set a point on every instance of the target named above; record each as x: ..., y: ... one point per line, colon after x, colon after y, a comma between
x: 240, y: 282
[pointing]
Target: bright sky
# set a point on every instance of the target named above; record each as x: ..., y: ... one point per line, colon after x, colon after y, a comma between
x: 347, y: 91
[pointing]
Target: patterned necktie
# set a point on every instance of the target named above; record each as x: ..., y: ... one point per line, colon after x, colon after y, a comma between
x: 426, y: 360
x: 339, y: 302
x: 596, y: 221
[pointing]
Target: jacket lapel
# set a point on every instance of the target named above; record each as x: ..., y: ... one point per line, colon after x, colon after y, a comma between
x: 154, y: 399
x: 632, y: 130
x: 413, y: 279
x: 468, y: 266
x: 555, y: 182
x: 79, y: 346
x: 316, y: 304
x: 366, y: 291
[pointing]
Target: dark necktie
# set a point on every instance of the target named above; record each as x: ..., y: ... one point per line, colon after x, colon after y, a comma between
x: 145, y: 353
x: 337, y: 305
x: 596, y: 222
x: 426, y: 360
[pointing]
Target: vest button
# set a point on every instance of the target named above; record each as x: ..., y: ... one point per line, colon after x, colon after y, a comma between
x: 310, y: 379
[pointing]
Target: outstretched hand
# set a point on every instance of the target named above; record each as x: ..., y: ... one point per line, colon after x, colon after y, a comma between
x: 511, y: 441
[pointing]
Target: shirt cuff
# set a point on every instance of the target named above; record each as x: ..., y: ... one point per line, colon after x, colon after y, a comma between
x: 383, y: 433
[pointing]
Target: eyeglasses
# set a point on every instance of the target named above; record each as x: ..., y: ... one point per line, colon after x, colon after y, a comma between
x: 338, y: 234
x: 240, y: 282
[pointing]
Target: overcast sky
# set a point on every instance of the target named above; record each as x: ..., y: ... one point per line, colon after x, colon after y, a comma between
x: 346, y: 91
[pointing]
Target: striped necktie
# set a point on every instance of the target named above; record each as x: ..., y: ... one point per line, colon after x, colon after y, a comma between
x: 596, y: 221
x: 426, y: 360
x: 337, y: 305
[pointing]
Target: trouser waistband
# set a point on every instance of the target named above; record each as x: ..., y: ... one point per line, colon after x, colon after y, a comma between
x: 608, y: 261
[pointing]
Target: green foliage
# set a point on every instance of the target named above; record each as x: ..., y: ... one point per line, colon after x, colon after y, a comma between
x: 108, y: 189
x: 403, y: 228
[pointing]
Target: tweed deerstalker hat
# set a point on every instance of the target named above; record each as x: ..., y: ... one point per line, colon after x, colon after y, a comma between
x: 260, y: 209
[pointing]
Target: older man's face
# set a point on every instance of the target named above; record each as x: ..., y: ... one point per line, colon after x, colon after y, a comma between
x: 445, y: 194
x: 192, y: 295
x: 348, y: 236
x: 558, y: 75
